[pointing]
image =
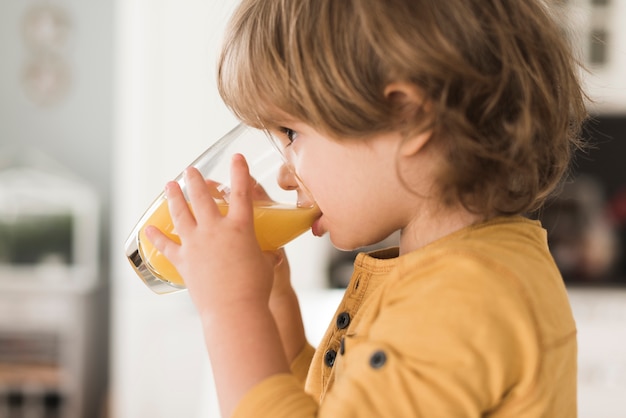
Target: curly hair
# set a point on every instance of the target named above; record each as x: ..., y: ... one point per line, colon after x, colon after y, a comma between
x: 502, y: 83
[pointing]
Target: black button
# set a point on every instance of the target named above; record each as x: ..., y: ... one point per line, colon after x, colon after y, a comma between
x: 342, y: 346
x: 329, y: 358
x: 378, y: 359
x: 343, y: 320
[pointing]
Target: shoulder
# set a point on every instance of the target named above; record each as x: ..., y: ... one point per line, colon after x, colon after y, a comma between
x: 460, y: 276
x: 459, y: 300
x: 493, y: 266
x: 500, y: 276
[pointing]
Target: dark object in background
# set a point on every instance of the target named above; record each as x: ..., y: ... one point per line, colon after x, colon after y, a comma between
x: 581, y: 233
x: 341, y: 263
x: 35, y: 239
x: 586, y: 222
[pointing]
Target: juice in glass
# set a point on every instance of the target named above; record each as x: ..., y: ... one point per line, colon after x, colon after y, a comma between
x: 275, y: 224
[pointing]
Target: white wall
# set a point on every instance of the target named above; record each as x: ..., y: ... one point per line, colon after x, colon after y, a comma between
x: 600, y: 317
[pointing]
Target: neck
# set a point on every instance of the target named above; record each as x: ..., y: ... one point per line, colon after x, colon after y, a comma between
x: 430, y: 225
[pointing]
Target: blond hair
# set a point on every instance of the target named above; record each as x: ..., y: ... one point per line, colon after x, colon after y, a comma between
x: 506, y: 104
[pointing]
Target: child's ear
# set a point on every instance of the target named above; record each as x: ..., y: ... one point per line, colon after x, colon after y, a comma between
x: 404, y: 96
x: 409, y: 103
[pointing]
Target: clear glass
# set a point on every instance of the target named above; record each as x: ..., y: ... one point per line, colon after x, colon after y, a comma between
x: 279, y: 215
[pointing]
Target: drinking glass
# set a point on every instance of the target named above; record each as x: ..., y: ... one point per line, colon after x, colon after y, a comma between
x: 279, y: 215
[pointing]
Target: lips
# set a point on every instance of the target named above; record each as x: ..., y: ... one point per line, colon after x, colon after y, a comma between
x: 316, y: 228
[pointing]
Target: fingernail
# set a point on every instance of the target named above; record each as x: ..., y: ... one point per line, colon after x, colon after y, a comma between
x: 168, y: 187
x: 148, y: 230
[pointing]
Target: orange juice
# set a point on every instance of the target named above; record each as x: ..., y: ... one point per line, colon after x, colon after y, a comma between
x: 275, y: 224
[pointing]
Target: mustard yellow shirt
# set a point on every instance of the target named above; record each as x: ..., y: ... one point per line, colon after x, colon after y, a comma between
x: 477, y: 324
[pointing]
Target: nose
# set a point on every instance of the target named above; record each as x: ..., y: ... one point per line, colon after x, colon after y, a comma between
x: 286, y: 178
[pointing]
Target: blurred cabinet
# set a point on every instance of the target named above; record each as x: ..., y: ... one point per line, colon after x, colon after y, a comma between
x: 41, y: 355
x: 48, y: 269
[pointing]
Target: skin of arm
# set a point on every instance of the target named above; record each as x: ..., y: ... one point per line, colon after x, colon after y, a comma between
x: 231, y: 283
x: 285, y: 308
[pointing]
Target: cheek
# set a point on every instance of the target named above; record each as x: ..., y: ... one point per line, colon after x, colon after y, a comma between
x: 333, y: 195
x: 324, y: 173
x: 318, y: 182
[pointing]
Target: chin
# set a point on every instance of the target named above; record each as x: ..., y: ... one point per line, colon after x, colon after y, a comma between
x: 340, y: 244
x: 373, y: 241
x: 346, y: 244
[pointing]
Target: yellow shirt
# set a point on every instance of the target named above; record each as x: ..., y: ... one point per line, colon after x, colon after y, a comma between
x: 477, y: 324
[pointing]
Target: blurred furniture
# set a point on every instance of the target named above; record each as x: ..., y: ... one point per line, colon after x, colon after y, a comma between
x: 48, y: 269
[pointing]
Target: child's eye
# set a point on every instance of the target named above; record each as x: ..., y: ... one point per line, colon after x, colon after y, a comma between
x: 290, y: 134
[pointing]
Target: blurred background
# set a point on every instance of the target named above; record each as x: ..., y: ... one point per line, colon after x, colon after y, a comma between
x: 102, y: 102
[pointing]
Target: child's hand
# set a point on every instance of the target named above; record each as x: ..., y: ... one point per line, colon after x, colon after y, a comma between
x: 219, y: 258
x: 229, y: 280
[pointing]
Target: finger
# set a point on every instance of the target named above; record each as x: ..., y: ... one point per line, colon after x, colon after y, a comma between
x: 161, y: 242
x: 181, y: 215
x: 240, y: 206
x: 200, y: 197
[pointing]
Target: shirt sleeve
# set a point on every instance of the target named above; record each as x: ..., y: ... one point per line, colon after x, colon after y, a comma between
x: 302, y: 362
x: 278, y: 396
x: 281, y: 395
